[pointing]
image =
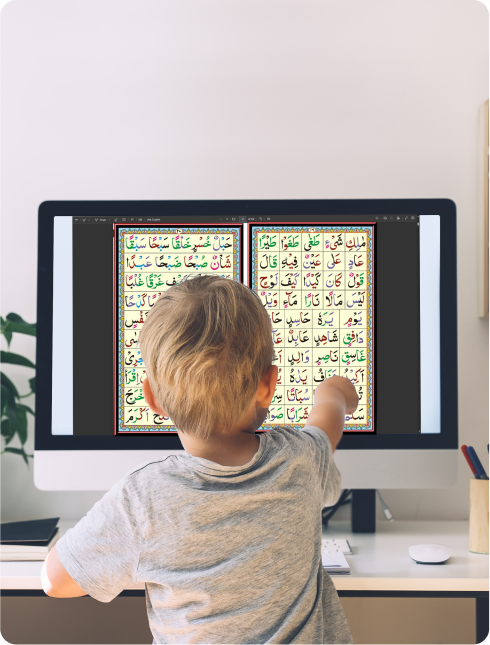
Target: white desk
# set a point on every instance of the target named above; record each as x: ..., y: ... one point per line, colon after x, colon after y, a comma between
x: 380, y: 566
x: 380, y: 561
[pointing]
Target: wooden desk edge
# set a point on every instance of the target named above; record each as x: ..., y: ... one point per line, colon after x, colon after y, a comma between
x: 342, y: 583
x: 352, y: 583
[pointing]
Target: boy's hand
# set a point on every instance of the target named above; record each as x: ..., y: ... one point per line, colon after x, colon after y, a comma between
x: 334, y: 398
x: 344, y: 386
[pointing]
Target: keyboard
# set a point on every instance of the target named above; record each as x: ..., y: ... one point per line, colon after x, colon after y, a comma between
x: 340, y: 545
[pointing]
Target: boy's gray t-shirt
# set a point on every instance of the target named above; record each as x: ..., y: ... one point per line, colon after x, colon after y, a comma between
x: 229, y: 554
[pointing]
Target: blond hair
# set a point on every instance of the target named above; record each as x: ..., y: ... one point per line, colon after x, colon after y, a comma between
x: 206, y: 344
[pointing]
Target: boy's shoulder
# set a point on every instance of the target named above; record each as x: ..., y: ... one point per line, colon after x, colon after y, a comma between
x: 149, y: 469
x: 308, y: 434
x: 178, y: 469
x: 141, y: 478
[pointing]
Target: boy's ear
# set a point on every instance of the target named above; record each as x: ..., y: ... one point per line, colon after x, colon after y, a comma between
x: 269, y: 381
x: 150, y: 399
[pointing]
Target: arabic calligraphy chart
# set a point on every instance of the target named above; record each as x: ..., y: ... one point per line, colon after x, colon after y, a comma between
x: 148, y: 262
x: 316, y: 282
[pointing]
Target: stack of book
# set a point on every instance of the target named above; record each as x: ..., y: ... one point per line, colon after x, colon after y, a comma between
x: 30, y: 540
x: 334, y: 562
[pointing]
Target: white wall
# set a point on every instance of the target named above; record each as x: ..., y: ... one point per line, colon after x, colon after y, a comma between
x: 243, y: 99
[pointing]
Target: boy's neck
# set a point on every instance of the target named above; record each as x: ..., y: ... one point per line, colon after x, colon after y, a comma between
x: 235, y: 449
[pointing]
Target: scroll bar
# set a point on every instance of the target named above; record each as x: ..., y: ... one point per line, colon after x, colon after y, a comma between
x: 430, y: 324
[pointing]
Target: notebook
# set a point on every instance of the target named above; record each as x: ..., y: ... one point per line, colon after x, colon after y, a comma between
x: 31, y: 532
x: 334, y: 562
x: 30, y: 540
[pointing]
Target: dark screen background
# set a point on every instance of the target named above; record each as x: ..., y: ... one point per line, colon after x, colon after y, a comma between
x: 396, y: 326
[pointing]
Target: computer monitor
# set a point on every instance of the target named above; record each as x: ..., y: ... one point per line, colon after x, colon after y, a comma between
x: 360, y: 288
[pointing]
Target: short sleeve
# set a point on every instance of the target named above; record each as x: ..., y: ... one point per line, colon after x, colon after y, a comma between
x: 101, y: 553
x: 322, y: 454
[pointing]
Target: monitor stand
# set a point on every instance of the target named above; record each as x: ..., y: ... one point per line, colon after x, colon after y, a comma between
x: 363, y: 511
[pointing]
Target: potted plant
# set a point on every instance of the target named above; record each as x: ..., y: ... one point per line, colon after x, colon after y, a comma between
x: 14, y: 413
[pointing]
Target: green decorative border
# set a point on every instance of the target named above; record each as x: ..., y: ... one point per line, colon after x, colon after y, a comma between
x: 368, y: 426
x: 121, y: 232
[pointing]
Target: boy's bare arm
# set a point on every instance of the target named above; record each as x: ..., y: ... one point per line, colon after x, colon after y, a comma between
x: 334, y: 398
x: 56, y: 580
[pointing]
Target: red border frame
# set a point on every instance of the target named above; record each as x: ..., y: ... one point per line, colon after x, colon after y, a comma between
x: 357, y: 431
x: 114, y: 308
x: 239, y: 225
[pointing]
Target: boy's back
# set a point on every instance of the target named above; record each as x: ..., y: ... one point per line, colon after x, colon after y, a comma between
x: 229, y: 554
x: 226, y: 536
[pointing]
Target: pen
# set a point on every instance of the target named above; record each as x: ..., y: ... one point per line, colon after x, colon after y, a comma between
x: 474, y: 458
x: 464, y: 450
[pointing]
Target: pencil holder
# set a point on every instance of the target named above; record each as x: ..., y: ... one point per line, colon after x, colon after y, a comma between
x: 479, y: 515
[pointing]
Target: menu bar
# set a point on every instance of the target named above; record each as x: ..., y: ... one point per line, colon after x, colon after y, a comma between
x: 193, y: 219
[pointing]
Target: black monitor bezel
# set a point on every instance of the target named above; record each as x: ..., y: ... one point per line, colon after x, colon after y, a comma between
x: 446, y: 208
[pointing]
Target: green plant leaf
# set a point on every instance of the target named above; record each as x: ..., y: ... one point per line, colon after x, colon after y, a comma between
x: 26, y: 408
x: 15, y: 359
x: 7, y: 332
x: 7, y: 431
x: 14, y: 323
x: 21, y: 425
x: 32, y: 383
x: 6, y: 399
x: 19, y: 451
x: 8, y: 384
x: 20, y: 328
x: 11, y: 414
x: 15, y: 318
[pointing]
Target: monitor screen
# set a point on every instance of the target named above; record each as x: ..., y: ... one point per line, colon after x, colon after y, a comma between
x: 352, y: 288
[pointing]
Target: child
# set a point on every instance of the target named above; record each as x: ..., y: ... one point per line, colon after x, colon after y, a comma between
x: 226, y: 535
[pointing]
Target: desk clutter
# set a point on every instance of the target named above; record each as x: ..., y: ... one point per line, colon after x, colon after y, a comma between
x: 30, y: 540
x: 334, y: 562
x: 478, y: 516
x: 478, y: 502
x: 333, y: 558
x: 338, y: 544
